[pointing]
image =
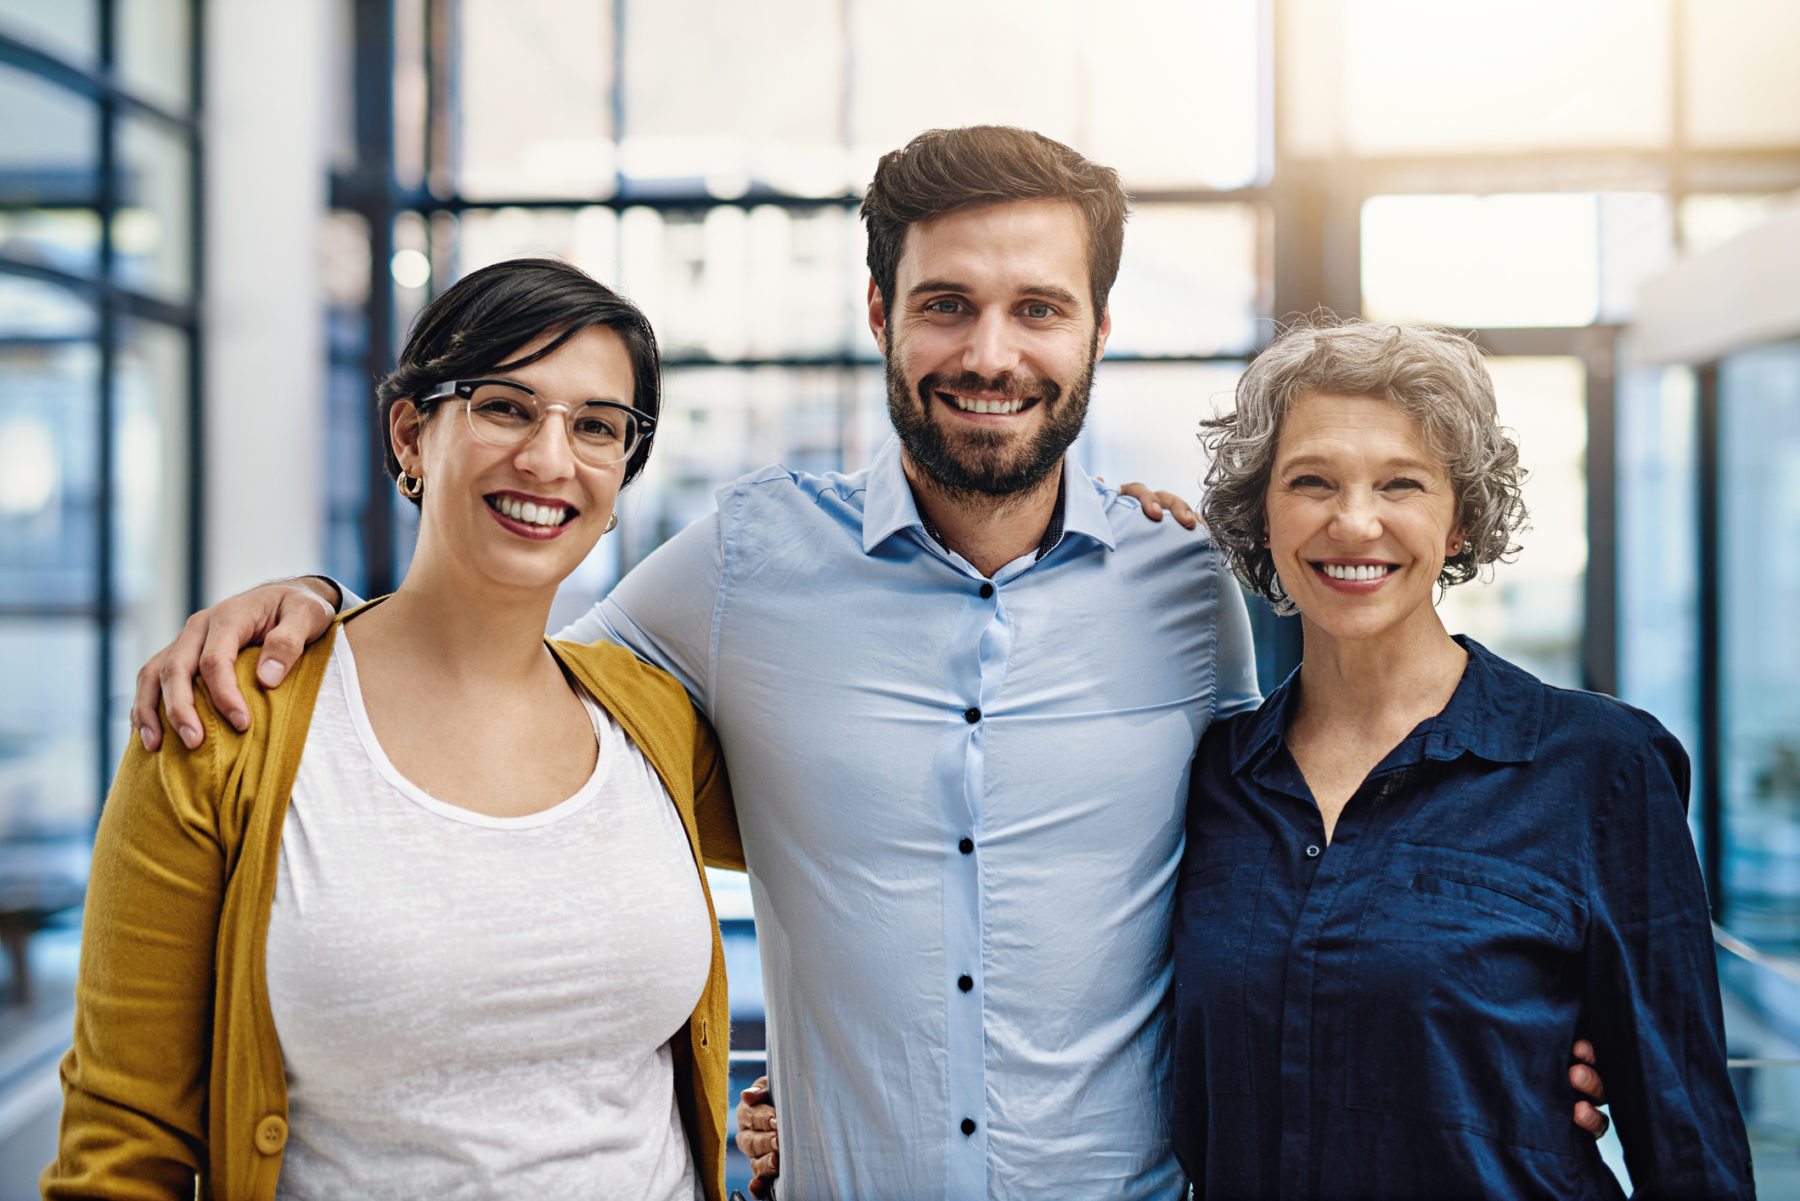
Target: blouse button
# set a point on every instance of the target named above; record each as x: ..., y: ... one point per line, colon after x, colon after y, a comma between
x: 271, y: 1135
x: 1312, y: 852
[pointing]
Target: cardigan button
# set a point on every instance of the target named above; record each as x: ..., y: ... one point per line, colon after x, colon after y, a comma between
x: 271, y: 1135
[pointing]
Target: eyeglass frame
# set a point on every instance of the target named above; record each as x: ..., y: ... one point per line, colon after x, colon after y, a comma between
x: 464, y: 389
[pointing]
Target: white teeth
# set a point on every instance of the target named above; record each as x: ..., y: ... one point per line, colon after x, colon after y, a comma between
x: 985, y: 406
x: 530, y: 513
x: 1344, y: 571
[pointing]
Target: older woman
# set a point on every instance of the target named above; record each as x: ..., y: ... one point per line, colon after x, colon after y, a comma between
x: 434, y: 924
x: 1417, y: 873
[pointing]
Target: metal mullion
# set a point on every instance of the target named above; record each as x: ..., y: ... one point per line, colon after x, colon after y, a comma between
x: 107, y: 317
x: 1710, y: 786
x: 196, y: 336
x: 138, y: 304
x: 95, y: 85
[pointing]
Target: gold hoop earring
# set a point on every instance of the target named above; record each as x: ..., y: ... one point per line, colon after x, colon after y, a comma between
x: 612, y: 523
x: 412, y: 487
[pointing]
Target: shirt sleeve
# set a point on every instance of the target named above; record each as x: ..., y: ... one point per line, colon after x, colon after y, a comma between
x: 1234, y: 655
x: 663, y: 610
x: 1653, y: 988
x: 135, y: 1081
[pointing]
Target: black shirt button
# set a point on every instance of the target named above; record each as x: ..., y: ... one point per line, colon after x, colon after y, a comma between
x: 987, y: 590
x: 1312, y: 852
x: 971, y: 715
x: 968, y: 1126
x: 965, y: 983
x: 966, y: 846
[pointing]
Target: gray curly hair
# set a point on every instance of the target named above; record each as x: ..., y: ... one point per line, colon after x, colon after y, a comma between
x: 1434, y: 376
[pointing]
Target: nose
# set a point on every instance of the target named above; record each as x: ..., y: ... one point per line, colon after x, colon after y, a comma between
x: 547, y: 452
x: 991, y: 350
x: 1357, y: 519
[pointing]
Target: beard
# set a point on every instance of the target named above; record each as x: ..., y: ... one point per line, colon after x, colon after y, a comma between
x: 978, y: 463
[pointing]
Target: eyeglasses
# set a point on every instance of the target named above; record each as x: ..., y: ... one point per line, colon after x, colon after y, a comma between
x: 506, y: 413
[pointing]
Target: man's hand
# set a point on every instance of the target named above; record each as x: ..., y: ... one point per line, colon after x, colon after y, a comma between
x: 283, y: 616
x: 1586, y: 1078
x: 1157, y: 503
x: 757, y: 1137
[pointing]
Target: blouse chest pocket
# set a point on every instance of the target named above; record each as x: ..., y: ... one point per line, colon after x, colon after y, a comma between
x: 1463, y: 998
x: 1215, y: 905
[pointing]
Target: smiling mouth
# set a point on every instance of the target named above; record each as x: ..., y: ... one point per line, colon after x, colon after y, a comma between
x: 527, y: 512
x: 1004, y: 406
x: 1357, y: 572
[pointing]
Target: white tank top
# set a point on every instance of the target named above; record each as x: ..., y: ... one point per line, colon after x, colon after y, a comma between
x: 474, y: 1006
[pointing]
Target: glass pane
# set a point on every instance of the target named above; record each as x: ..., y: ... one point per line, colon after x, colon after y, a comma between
x: 1531, y: 610
x: 1658, y: 508
x: 1170, y: 91
x: 156, y: 50
x: 1144, y: 421
x: 1192, y: 280
x: 69, y: 28
x: 150, y: 498
x: 48, y: 776
x: 908, y: 76
x: 66, y: 239
x: 1709, y: 220
x: 1761, y: 992
x: 736, y: 119
x: 1637, y: 244
x: 731, y: 283
x: 1759, y: 405
x: 349, y: 420
x: 534, y: 105
x: 1742, y: 87
x: 49, y: 454
x: 153, y: 232
x: 587, y: 237
x: 49, y: 142
x: 1506, y: 260
x: 31, y: 308
x: 1401, y: 77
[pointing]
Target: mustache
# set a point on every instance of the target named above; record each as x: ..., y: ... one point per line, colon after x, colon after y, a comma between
x: 1009, y: 386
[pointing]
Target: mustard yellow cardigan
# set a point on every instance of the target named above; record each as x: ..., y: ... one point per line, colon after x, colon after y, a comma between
x: 176, y: 1075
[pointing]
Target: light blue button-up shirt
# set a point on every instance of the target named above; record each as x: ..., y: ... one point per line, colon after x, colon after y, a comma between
x: 980, y: 1023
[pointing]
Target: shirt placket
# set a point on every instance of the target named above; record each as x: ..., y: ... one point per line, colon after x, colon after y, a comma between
x: 980, y: 662
x: 1321, y: 873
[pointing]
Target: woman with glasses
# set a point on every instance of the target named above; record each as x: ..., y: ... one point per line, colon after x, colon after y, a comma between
x: 436, y: 924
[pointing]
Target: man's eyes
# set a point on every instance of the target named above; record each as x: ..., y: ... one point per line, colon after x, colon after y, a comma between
x: 948, y: 305
x: 1038, y: 311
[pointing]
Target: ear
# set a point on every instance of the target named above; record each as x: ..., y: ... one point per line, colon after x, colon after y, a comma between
x: 1102, y: 333
x: 404, y: 427
x: 877, y: 317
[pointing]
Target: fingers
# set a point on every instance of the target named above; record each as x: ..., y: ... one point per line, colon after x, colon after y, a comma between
x: 174, y: 669
x: 1584, y: 1075
x: 301, y: 617
x: 144, y: 721
x: 766, y: 1168
x: 1182, y: 511
x: 757, y: 1137
x: 218, y: 668
x: 759, y: 1186
x: 1591, y: 1119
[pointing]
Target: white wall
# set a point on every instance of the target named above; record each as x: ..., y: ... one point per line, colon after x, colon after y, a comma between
x: 267, y: 74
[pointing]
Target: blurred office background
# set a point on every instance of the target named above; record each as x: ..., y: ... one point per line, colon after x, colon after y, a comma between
x: 217, y: 218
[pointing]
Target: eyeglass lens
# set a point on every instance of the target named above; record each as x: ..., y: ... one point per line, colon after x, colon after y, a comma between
x: 601, y: 432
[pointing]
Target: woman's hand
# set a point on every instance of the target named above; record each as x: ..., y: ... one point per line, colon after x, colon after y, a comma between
x: 1586, y: 1078
x: 757, y: 1137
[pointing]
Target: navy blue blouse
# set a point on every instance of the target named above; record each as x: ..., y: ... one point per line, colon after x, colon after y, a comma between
x: 1391, y: 1015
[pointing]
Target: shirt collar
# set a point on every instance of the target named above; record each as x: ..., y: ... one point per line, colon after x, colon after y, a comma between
x: 1496, y: 713
x: 889, y: 507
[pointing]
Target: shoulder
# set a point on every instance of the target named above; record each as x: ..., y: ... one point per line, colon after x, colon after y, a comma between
x: 619, y: 678
x: 776, y: 485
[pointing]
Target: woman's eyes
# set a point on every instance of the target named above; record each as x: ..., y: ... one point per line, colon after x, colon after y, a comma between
x: 500, y: 406
x: 1404, y: 484
x: 1307, y: 481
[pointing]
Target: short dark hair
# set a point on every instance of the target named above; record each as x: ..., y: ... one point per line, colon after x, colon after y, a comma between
x: 475, y: 323
x: 943, y: 170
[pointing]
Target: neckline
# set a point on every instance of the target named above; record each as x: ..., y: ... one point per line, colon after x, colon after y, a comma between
x: 371, y: 745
